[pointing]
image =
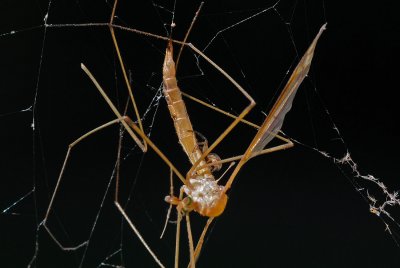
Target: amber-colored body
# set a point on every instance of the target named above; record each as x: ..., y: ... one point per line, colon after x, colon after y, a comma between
x: 204, y: 195
x: 177, y: 109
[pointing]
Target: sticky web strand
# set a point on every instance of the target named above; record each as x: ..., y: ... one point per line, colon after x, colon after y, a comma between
x: 377, y: 205
x: 31, y: 108
x: 11, y: 207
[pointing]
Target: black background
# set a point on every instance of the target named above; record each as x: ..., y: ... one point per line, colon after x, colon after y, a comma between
x: 288, y: 209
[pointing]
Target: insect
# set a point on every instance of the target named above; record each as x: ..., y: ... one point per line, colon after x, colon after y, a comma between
x: 203, y: 194
x: 200, y: 191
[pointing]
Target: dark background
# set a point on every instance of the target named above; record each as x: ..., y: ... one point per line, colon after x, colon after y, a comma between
x: 289, y: 209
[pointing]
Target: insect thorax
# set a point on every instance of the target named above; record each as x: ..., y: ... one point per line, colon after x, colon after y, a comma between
x: 207, y: 196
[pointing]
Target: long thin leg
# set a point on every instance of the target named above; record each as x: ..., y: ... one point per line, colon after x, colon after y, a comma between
x: 244, y: 112
x: 288, y: 143
x: 171, y: 193
x: 190, y: 239
x: 192, y: 98
x: 121, y: 63
x: 70, y: 147
x: 118, y: 164
x: 137, y: 233
x: 178, y: 231
x: 227, y: 113
x: 177, y: 239
x: 116, y: 200
x: 284, y: 146
x: 139, y: 131
x: 129, y: 125
x: 199, y: 245
x: 125, y: 121
x: 282, y: 105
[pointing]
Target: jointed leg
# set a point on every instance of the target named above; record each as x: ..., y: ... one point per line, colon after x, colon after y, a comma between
x: 199, y: 245
x: 128, y: 85
x: 70, y: 147
x: 171, y: 193
x: 190, y: 238
x: 140, y: 131
x: 178, y: 231
x: 137, y: 233
x: 284, y: 146
x: 245, y: 111
x: 130, y: 126
x: 190, y: 97
x: 235, y: 122
x: 226, y: 113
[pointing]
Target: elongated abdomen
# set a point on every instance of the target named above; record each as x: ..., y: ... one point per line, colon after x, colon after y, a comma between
x: 207, y: 197
x: 177, y: 108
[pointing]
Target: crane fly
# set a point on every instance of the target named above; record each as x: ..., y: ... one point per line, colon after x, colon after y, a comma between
x: 203, y: 194
x: 200, y: 191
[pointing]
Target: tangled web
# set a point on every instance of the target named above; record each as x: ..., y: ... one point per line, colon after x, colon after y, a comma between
x: 290, y: 203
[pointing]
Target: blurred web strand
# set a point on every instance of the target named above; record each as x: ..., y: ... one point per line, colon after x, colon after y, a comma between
x: 273, y: 7
x: 5, y: 211
x: 104, y: 262
x: 33, y: 126
x: 154, y: 104
x: 29, y: 109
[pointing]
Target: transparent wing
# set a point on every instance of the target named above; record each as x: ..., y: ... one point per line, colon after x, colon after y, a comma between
x: 282, y: 106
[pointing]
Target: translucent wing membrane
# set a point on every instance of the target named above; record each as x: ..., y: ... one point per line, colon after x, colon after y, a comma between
x: 282, y: 106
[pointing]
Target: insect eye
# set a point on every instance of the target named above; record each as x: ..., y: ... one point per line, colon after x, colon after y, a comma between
x: 187, y: 201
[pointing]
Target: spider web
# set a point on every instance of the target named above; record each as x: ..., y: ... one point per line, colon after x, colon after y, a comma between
x: 292, y: 203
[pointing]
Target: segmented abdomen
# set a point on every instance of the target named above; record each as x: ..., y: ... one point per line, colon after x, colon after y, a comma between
x: 177, y: 109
